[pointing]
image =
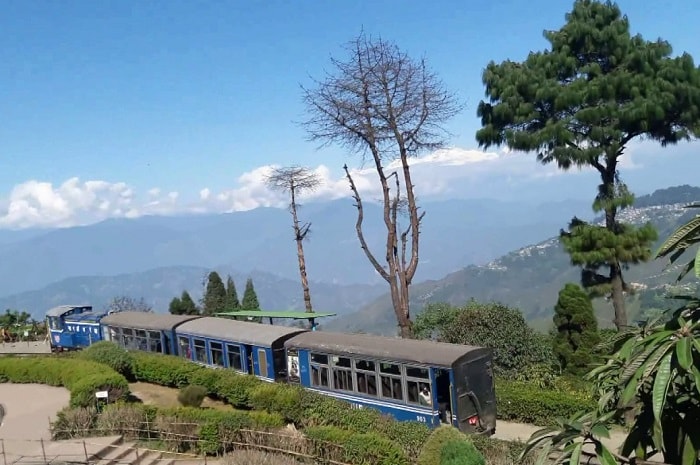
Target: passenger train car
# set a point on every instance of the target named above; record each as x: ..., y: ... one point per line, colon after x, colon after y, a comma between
x: 412, y: 380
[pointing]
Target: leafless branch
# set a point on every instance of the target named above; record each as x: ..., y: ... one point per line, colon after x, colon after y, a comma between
x: 358, y: 226
x: 380, y: 102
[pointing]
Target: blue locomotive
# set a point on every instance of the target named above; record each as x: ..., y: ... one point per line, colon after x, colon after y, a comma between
x: 412, y: 380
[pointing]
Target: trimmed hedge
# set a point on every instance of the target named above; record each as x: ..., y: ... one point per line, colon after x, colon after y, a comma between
x: 110, y: 354
x: 81, y: 377
x: 526, y: 403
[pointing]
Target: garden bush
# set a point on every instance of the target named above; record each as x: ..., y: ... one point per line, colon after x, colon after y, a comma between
x: 356, y: 448
x: 110, y: 354
x: 527, y: 403
x: 432, y: 449
x: 192, y: 395
x: 165, y: 370
x: 460, y: 452
x: 81, y: 377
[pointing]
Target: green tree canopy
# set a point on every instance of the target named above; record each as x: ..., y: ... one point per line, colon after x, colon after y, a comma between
x: 250, y: 298
x: 175, y: 306
x: 580, y: 104
x: 188, y: 305
x: 215, y: 295
x: 232, y: 302
x: 576, y: 329
x: 515, y: 345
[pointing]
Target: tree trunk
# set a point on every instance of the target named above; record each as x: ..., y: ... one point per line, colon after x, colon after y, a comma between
x: 616, y: 281
x: 299, y: 237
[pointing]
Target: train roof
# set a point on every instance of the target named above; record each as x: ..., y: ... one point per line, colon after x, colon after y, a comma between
x: 63, y: 309
x: 85, y: 317
x: 146, y: 320
x: 244, y: 332
x: 423, y: 352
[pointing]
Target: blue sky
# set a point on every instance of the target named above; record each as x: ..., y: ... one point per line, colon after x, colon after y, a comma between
x: 185, y: 95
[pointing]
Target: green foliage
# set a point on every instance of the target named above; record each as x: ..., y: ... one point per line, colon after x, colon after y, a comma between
x: 165, y: 370
x: 232, y: 302
x: 541, y: 375
x: 684, y: 237
x: 529, y: 403
x: 81, y: 377
x: 192, y: 395
x: 434, y: 317
x: 250, y: 298
x: 515, y: 345
x: 432, y: 449
x: 14, y: 318
x: 110, y: 354
x: 460, y: 453
x: 214, y: 300
x: 184, y: 305
x: 579, y: 104
x: 651, y: 381
x: 576, y: 329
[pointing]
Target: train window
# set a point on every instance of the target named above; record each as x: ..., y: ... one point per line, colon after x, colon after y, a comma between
x: 262, y: 362
x: 417, y: 372
x: 365, y: 365
x: 319, y: 358
x: 366, y: 383
x: 390, y: 368
x: 319, y: 370
x: 128, y: 331
x: 234, y: 357
x: 184, y: 347
x: 154, y: 343
x: 342, y: 374
x: 342, y: 362
x: 319, y: 376
x: 200, y: 350
x: 217, y: 353
x: 391, y: 387
x: 418, y: 393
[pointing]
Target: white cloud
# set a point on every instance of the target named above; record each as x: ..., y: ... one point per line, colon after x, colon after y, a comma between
x: 451, y: 172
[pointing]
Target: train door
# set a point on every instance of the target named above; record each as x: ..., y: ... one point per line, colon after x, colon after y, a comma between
x: 476, y: 395
x: 249, y: 355
x: 443, y: 392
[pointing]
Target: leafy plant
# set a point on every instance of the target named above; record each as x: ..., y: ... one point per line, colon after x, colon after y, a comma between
x: 192, y: 395
x: 678, y: 243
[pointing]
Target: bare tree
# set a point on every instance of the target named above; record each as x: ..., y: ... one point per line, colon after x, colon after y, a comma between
x: 381, y: 102
x: 128, y: 304
x: 294, y: 180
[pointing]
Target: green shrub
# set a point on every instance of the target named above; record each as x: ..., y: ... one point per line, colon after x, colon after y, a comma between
x: 83, y: 378
x: 236, y: 388
x: 432, y: 449
x: 110, y: 354
x: 460, y: 452
x: 499, y: 451
x: 373, y: 449
x: 165, y: 370
x: 192, y: 395
x: 527, y: 403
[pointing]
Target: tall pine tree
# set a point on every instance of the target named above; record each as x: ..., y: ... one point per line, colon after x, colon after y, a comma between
x: 215, y: 295
x: 175, y: 306
x: 250, y: 299
x: 576, y: 329
x: 579, y: 105
x: 232, y: 303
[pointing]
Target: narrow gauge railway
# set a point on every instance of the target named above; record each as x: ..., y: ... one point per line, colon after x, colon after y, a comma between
x: 412, y: 380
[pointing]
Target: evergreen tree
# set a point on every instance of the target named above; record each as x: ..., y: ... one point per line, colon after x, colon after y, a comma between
x: 175, y: 306
x: 215, y: 295
x: 579, y: 105
x: 188, y: 305
x: 576, y: 329
x: 250, y: 299
x: 232, y: 302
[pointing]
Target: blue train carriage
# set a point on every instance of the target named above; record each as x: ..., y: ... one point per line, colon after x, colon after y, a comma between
x: 73, y: 327
x: 249, y: 348
x: 412, y: 380
x: 146, y: 331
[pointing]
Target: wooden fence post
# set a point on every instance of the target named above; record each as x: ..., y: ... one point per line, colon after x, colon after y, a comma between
x: 4, y: 457
x: 43, y: 450
x: 85, y: 450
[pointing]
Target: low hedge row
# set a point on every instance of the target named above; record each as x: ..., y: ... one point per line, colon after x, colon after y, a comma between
x: 81, y: 377
x: 298, y: 406
x: 526, y: 403
x: 211, y: 431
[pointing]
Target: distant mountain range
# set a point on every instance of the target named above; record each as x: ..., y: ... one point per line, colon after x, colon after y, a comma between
x: 157, y: 257
x: 530, y: 278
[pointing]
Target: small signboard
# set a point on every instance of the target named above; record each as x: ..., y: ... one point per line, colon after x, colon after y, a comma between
x: 101, y: 394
